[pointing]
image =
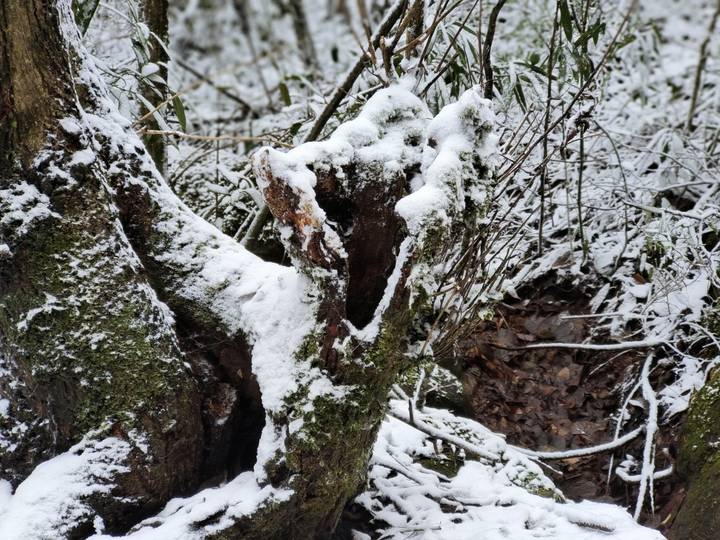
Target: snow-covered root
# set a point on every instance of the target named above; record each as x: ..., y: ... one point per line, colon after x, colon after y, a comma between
x: 55, y: 498
x: 192, y: 518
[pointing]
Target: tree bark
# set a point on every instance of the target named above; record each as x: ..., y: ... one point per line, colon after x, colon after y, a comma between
x: 698, y: 464
x: 140, y: 337
x: 303, y: 35
x: 87, y: 350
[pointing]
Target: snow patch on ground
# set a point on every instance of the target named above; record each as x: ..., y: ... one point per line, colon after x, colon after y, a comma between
x: 486, y: 499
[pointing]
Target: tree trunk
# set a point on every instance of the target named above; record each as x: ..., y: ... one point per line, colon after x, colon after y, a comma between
x: 303, y: 33
x: 415, y: 27
x: 301, y: 26
x: 87, y: 351
x: 699, y: 465
x: 158, y: 355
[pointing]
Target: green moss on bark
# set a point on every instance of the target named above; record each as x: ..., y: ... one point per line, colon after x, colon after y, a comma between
x: 82, y: 328
x: 699, y: 464
x: 83, y: 324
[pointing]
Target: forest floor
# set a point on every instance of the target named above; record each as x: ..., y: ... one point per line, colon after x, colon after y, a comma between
x: 558, y: 399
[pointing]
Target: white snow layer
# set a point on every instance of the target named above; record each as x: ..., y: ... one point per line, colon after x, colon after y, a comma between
x: 52, y: 499
x: 179, y: 519
x: 486, y: 500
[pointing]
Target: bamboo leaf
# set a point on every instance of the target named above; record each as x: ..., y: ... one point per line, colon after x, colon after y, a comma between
x: 566, y: 19
x: 84, y: 11
x: 180, y: 112
x: 520, y: 96
x: 285, y: 94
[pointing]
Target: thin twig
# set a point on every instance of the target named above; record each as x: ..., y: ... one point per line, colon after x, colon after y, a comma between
x: 546, y: 126
x: 239, y: 138
x: 584, y: 346
x: 246, y: 107
x: 580, y: 452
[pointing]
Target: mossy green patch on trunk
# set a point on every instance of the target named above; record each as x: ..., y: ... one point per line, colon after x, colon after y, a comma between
x: 81, y: 319
x: 699, y: 464
x: 81, y: 327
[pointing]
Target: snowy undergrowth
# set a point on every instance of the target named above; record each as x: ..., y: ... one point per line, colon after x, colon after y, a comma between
x: 502, y: 495
x: 649, y: 204
x: 631, y: 208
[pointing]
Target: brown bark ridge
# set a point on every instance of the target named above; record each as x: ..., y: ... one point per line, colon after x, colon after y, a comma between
x: 33, y: 78
x: 137, y: 337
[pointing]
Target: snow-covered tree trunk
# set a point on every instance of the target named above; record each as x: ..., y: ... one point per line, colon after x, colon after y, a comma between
x: 88, y: 355
x: 145, y: 355
x: 699, y: 465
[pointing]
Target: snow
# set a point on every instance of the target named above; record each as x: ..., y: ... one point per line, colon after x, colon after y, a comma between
x: 450, y: 135
x: 180, y: 518
x: 51, y: 304
x: 269, y: 303
x: 83, y: 157
x: 485, y: 499
x: 54, y: 498
x: 388, y: 132
x: 22, y: 207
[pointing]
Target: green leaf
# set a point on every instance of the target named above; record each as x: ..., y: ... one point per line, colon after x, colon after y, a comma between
x: 536, y: 69
x: 582, y: 40
x: 180, y: 112
x: 84, y: 11
x: 295, y: 128
x: 599, y: 29
x: 627, y: 40
x: 285, y: 94
x: 520, y: 96
x: 566, y: 19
